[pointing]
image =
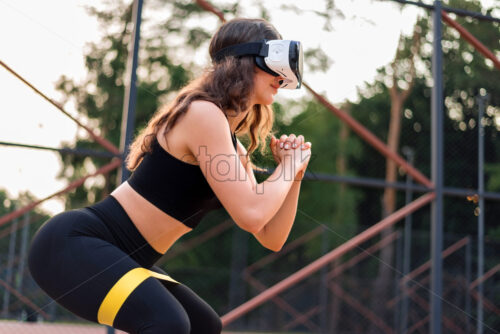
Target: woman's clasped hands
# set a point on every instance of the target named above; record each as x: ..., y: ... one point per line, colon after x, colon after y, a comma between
x: 293, y: 148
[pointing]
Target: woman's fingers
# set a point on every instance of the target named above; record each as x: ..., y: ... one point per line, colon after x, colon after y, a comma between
x: 282, y: 141
x: 273, y: 144
x: 286, y: 142
x: 306, y: 145
x: 292, y: 141
x: 298, y: 141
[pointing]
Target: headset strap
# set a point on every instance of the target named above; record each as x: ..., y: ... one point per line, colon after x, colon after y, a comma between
x: 246, y: 49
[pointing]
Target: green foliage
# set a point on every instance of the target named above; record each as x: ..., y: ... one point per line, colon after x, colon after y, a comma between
x: 317, y: 60
x: 466, y: 74
x: 494, y: 181
x: 35, y: 218
x: 327, y: 13
x: 5, y: 203
x: 494, y: 234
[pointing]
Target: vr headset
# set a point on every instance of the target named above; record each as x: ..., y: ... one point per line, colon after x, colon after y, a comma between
x: 277, y: 57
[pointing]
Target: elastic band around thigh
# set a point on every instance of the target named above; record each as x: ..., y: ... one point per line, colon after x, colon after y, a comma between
x: 121, y: 290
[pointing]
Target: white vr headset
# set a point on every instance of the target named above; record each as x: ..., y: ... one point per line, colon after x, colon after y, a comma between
x: 277, y: 57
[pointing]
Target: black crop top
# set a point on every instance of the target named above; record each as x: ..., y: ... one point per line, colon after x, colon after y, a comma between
x: 174, y: 186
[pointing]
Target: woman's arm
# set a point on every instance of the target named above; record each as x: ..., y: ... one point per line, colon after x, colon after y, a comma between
x: 275, y: 233
x: 207, y: 136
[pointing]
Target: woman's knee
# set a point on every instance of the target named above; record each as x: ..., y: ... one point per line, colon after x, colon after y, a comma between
x: 155, y: 323
x: 180, y: 323
x: 207, y: 323
x: 204, y: 320
x: 214, y: 326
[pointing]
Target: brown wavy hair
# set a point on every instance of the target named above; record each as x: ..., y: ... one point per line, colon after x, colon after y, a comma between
x: 228, y: 83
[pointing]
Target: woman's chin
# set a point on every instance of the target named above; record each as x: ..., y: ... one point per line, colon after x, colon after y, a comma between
x: 269, y: 100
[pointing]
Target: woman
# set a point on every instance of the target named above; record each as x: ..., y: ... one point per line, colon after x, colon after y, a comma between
x: 98, y: 261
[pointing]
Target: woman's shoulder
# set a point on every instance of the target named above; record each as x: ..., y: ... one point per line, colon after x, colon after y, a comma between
x: 206, y: 125
x: 205, y: 115
x: 203, y: 107
x: 204, y: 104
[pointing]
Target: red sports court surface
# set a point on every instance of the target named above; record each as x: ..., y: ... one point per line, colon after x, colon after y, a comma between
x: 16, y: 327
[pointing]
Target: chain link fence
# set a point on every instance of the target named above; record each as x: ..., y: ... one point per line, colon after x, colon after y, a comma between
x: 360, y: 292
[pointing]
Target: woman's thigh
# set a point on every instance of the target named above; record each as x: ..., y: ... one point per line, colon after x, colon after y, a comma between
x: 78, y: 271
x: 152, y: 309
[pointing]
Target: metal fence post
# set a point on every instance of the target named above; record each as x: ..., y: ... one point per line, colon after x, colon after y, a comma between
x: 128, y: 118
x: 410, y: 157
x: 9, y: 273
x: 129, y: 102
x: 481, y: 100
x: 323, y: 288
x: 22, y: 252
x: 437, y: 175
x: 468, y: 266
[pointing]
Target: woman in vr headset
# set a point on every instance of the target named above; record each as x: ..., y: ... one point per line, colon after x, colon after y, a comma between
x: 98, y: 262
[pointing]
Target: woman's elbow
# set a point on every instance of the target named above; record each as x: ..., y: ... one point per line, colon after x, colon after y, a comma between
x: 274, y: 245
x: 274, y: 248
x: 252, y: 221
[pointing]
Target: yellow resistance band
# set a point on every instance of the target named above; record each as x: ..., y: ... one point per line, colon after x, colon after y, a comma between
x: 121, y: 290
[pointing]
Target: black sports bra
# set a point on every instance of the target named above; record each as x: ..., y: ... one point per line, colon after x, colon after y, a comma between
x: 174, y: 186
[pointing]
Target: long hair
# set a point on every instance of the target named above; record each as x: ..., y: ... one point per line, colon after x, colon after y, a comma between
x: 228, y: 83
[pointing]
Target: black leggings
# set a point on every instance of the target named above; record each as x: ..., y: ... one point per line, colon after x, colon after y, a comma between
x: 78, y: 256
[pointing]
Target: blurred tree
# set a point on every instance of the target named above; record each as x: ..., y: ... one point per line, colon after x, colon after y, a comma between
x: 401, y: 76
x: 5, y: 203
x: 466, y: 74
x: 8, y: 204
x: 14, y: 241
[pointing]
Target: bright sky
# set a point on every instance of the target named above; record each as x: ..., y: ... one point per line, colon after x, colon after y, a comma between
x: 43, y: 40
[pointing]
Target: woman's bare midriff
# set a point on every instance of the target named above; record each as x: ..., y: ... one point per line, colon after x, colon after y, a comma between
x: 158, y: 228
